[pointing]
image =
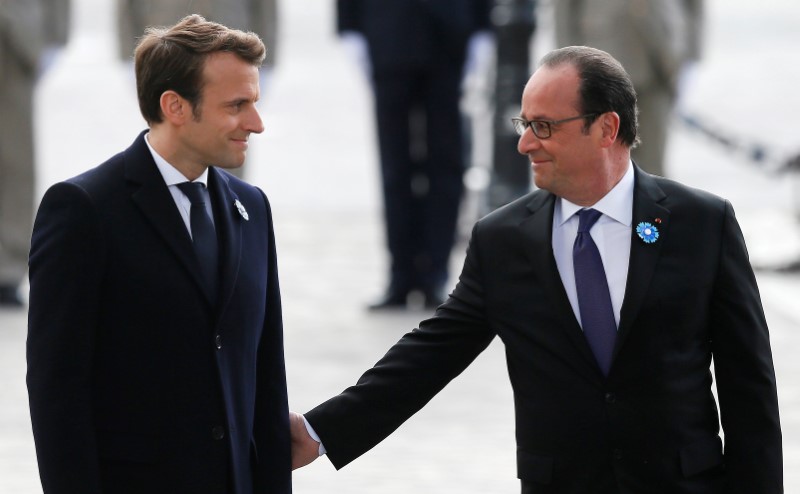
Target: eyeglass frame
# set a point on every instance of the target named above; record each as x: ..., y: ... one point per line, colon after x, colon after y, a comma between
x: 528, y: 124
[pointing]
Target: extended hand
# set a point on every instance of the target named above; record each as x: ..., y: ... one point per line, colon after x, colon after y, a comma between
x: 304, y: 448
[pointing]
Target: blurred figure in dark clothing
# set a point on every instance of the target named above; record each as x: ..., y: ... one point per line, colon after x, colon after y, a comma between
x: 415, y: 53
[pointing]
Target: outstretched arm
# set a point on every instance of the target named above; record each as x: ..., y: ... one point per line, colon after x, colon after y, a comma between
x: 411, y: 373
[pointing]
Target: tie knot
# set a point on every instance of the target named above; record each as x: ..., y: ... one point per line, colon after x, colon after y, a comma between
x: 194, y: 191
x: 587, y: 218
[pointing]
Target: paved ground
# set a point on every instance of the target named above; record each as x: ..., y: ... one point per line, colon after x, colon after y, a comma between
x: 316, y: 162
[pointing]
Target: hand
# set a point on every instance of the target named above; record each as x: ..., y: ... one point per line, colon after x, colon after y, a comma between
x: 480, y: 54
x: 304, y: 448
x: 357, y: 49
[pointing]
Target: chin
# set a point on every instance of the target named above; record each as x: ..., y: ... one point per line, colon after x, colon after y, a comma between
x: 230, y: 165
x: 539, y: 181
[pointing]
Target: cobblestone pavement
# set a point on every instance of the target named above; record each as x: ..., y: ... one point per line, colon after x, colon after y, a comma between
x: 316, y: 163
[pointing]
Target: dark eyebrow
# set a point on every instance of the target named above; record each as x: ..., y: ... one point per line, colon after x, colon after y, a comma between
x: 535, y: 118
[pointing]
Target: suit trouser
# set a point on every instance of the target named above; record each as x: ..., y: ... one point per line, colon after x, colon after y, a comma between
x: 422, y: 165
x: 16, y: 167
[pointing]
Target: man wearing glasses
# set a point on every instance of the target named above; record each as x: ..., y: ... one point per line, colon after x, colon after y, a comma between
x: 613, y: 290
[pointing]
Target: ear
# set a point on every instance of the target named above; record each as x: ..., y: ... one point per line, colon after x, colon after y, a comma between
x: 609, y: 125
x: 174, y: 108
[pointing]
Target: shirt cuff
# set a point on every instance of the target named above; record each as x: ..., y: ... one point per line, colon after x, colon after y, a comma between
x: 314, y: 436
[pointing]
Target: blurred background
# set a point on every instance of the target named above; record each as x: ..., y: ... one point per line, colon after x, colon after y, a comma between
x: 734, y: 132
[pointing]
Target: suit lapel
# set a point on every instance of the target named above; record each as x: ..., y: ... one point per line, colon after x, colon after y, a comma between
x: 647, y: 197
x: 152, y: 197
x: 228, y: 222
x: 538, y: 228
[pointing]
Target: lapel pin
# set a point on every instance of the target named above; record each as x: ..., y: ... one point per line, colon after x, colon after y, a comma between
x: 241, y: 209
x: 647, y: 231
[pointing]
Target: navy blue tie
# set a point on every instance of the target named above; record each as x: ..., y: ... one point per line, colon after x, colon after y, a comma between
x: 594, y: 300
x: 204, y: 238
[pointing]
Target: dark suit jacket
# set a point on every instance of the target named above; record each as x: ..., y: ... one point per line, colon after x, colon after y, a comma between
x: 414, y: 34
x: 137, y: 382
x: 652, y: 425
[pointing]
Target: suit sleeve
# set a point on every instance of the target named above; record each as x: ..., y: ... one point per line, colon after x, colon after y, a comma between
x: 744, y: 371
x: 22, y: 28
x: 695, y: 19
x: 265, y: 21
x: 272, y: 412
x: 483, y: 15
x: 411, y: 373
x: 128, y: 21
x: 57, y: 16
x: 348, y: 16
x: 565, y: 22
x: 66, y: 262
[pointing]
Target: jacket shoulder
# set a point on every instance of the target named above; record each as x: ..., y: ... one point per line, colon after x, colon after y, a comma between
x: 242, y: 189
x: 518, y: 209
x: 97, y: 183
x: 681, y: 196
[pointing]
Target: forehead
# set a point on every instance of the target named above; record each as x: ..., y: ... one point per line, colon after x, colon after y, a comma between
x: 228, y: 70
x: 551, y: 92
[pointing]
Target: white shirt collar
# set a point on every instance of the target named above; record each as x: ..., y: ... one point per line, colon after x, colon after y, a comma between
x: 617, y: 204
x: 171, y: 174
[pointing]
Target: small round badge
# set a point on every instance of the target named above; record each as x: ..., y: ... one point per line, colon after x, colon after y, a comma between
x: 647, y: 232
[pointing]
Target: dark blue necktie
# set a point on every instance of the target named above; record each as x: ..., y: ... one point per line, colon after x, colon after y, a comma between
x: 204, y: 238
x: 594, y: 300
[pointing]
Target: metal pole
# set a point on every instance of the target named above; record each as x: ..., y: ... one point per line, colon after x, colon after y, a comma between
x: 514, y: 22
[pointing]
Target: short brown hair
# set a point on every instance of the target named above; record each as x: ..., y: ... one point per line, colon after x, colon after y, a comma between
x: 173, y: 58
x: 604, y: 87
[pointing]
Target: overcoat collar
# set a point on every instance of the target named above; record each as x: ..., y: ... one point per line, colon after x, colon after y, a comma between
x: 150, y: 194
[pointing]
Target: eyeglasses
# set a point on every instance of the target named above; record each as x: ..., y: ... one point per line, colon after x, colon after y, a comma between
x: 542, y: 128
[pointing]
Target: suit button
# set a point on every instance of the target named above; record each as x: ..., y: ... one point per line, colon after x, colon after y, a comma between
x: 611, y: 398
x: 617, y: 453
x: 218, y: 433
x: 218, y: 341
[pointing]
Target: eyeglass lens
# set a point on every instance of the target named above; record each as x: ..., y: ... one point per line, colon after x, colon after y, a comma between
x: 540, y: 128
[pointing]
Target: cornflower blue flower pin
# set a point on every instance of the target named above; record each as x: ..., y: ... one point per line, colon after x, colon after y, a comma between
x: 647, y: 232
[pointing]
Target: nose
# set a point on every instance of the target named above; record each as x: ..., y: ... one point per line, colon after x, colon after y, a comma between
x: 527, y: 142
x: 254, y: 122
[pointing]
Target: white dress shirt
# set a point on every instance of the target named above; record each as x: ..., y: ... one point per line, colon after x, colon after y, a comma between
x: 173, y: 177
x: 611, y: 233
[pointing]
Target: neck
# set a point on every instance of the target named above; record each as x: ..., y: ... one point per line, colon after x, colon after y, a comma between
x: 167, y: 144
x: 606, y: 178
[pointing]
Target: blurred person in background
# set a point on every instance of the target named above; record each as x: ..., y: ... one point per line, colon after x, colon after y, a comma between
x: 657, y: 41
x: 31, y: 35
x: 258, y: 16
x: 414, y: 53
x: 155, y: 339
